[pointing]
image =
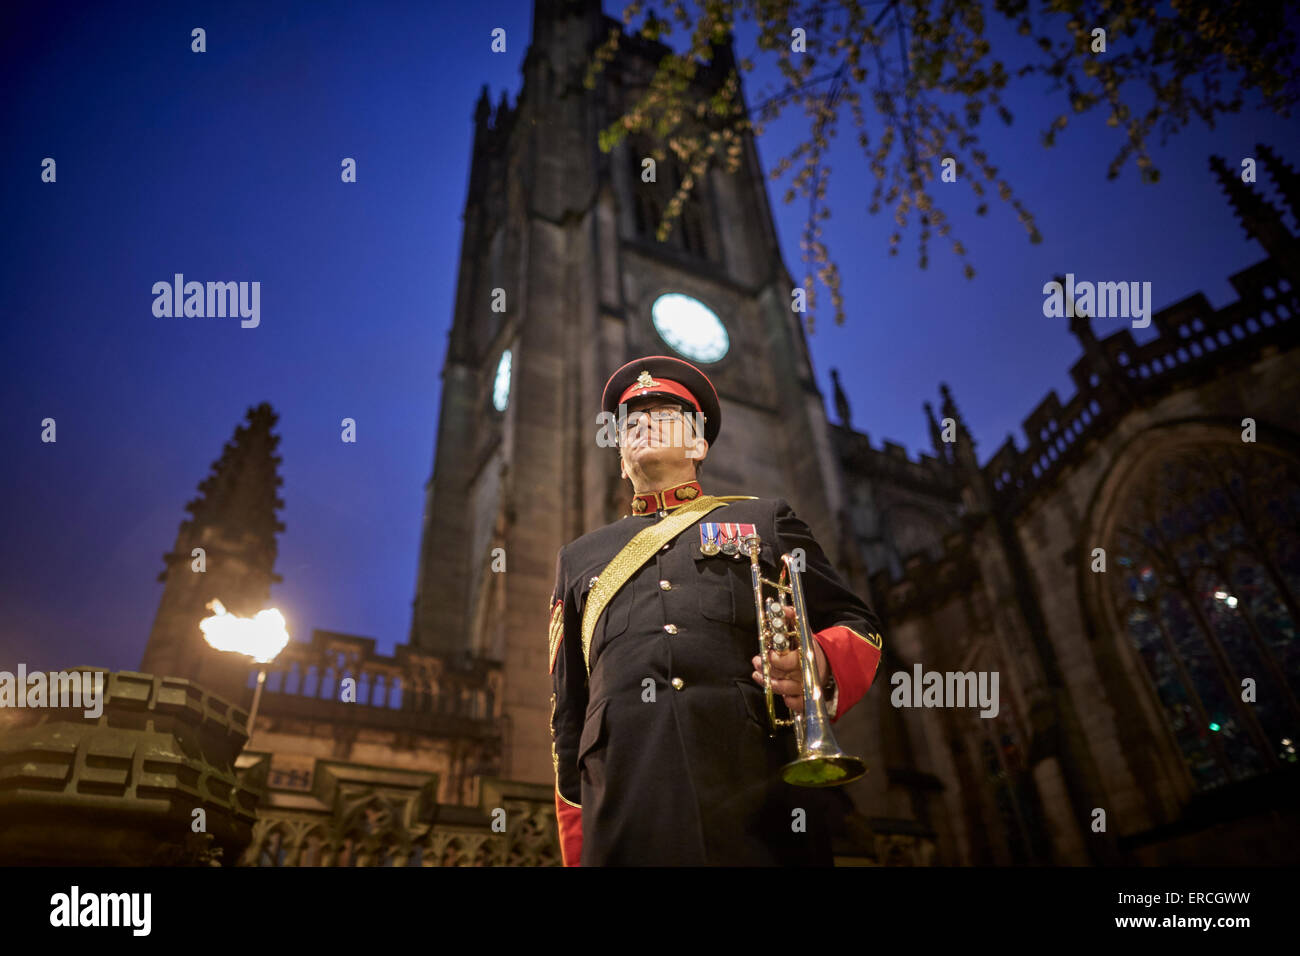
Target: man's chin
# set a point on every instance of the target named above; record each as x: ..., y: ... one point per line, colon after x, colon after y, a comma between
x: 651, y: 456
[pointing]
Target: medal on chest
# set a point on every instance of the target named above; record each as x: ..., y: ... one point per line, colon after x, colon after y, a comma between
x: 709, y: 539
x: 724, y: 538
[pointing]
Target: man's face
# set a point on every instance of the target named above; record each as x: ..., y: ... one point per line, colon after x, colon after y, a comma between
x: 659, y: 431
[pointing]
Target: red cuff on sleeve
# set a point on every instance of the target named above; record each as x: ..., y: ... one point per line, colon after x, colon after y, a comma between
x: 569, y: 819
x: 853, y: 660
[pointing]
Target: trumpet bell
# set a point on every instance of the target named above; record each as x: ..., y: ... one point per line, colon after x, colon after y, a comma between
x: 821, y: 762
x: 832, y: 771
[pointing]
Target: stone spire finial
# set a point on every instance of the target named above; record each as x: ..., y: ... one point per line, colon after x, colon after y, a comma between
x: 240, y: 494
x: 936, y: 435
x: 841, y: 400
x: 975, y: 492
x: 232, y: 530
x: 950, y: 407
x: 1081, y: 327
x: 1260, y: 217
x: 1286, y: 179
x: 1080, y: 322
x: 1262, y: 220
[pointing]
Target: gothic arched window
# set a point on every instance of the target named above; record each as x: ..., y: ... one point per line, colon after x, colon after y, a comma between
x: 1206, y: 588
x: 274, y: 848
x: 651, y: 199
x: 312, y: 846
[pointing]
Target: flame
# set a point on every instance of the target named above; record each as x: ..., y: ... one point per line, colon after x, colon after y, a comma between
x: 261, y: 637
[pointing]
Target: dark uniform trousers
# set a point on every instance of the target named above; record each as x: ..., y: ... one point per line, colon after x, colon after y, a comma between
x: 662, y: 752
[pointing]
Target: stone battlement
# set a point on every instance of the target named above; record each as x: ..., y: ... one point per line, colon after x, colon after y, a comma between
x: 891, y: 459
x: 1115, y: 375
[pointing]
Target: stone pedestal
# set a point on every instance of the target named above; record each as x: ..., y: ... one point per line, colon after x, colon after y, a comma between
x: 123, y: 788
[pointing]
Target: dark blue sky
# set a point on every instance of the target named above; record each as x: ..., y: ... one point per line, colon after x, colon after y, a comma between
x: 225, y: 166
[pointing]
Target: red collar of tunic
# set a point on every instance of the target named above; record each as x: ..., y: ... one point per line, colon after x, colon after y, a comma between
x: 667, y: 499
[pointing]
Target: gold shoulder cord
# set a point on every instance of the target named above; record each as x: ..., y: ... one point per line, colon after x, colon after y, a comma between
x: 636, y: 553
x: 556, y: 633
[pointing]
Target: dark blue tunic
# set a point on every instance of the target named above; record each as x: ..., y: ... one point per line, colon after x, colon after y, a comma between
x: 688, y: 774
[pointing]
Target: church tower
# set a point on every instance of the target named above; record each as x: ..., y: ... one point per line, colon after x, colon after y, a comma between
x: 233, y: 522
x: 561, y: 281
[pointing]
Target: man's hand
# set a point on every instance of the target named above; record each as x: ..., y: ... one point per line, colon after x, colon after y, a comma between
x: 786, y: 679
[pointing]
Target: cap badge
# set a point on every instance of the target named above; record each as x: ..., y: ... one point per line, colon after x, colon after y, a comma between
x: 645, y: 380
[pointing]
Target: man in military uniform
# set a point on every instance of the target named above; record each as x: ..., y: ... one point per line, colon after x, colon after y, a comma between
x: 660, y: 732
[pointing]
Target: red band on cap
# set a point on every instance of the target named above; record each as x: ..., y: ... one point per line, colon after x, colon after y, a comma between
x: 666, y: 386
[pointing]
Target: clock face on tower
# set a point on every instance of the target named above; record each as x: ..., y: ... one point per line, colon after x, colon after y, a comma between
x: 501, y: 384
x: 690, y: 327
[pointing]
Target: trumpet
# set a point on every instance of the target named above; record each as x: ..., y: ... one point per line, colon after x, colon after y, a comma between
x: 821, y: 762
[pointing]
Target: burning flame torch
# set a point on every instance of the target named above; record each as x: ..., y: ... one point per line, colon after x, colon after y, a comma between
x: 261, y: 637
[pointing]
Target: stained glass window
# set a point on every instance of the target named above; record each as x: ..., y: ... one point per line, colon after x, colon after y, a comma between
x: 1208, y: 554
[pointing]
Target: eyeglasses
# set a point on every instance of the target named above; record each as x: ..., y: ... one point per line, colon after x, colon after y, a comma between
x: 661, y: 413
